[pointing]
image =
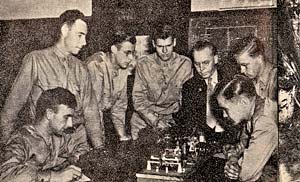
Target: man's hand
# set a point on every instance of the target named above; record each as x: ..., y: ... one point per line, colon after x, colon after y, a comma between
x: 71, y: 173
x: 153, y: 119
x: 232, y: 169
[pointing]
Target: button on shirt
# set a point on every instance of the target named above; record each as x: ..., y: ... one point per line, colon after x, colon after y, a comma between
x: 157, y: 88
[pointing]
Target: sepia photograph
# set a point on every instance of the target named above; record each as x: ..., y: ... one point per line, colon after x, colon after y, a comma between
x: 149, y: 90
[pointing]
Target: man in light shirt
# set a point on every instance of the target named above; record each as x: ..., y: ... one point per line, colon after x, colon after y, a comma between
x: 249, y: 53
x: 43, y: 151
x: 242, y: 106
x: 53, y: 67
x: 109, y: 72
x: 158, y: 82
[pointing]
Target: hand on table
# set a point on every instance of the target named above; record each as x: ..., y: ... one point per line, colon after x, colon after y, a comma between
x: 70, y: 173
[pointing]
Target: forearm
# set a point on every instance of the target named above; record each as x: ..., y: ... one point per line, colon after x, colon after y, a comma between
x: 21, y: 172
x: 95, y: 129
x: 93, y: 121
x: 78, y: 144
x: 118, y: 115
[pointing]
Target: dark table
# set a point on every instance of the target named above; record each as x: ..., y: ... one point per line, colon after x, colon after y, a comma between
x: 114, y: 166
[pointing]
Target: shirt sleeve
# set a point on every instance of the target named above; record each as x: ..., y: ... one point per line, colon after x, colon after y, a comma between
x: 94, y: 123
x: 139, y: 96
x: 19, y: 93
x: 77, y: 143
x: 272, y: 86
x: 17, y: 167
x: 263, y: 141
x: 118, y: 112
x: 96, y: 76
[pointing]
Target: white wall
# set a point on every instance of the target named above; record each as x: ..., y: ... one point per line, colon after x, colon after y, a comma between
x: 32, y: 9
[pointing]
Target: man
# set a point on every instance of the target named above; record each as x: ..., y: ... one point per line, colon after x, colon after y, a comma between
x: 109, y: 74
x: 195, y: 113
x: 250, y: 55
x: 57, y: 67
x: 242, y: 106
x: 43, y: 151
x: 158, y: 82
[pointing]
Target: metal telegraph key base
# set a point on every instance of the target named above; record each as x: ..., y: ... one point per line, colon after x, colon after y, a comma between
x: 177, y: 155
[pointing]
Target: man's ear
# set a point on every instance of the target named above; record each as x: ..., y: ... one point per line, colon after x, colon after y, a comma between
x: 49, y: 113
x: 260, y: 58
x: 216, y: 58
x: 174, y: 42
x: 113, y: 49
x: 244, y: 100
x: 153, y: 43
x: 64, y: 30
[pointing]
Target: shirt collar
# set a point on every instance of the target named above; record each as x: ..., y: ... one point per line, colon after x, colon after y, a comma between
x: 214, y: 78
x: 60, y: 53
x: 114, y: 68
x: 264, y: 77
x: 165, y: 63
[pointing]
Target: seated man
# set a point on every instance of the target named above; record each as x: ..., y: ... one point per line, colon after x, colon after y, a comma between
x: 109, y: 74
x: 43, y: 151
x: 158, y: 81
x: 195, y: 112
x: 259, y: 137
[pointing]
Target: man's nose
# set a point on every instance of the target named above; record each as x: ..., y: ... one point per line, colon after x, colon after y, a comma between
x: 131, y: 57
x: 243, y: 69
x: 164, y: 49
x: 201, y: 67
x: 69, y: 123
x: 83, y: 41
x: 225, y: 115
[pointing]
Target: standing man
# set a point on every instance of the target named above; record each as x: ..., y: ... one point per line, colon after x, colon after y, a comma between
x: 195, y: 111
x: 250, y: 55
x: 242, y: 106
x: 53, y: 67
x: 43, y: 151
x: 158, y: 81
x: 109, y: 79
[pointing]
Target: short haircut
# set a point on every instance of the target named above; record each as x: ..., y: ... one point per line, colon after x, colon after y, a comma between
x: 163, y: 31
x: 120, y: 36
x: 69, y: 17
x: 52, y: 98
x: 240, y: 85
x: 250, y: 43
x: 202, y: 44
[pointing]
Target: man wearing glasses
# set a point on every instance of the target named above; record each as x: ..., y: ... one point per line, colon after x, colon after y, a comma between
x: 108, y: 72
